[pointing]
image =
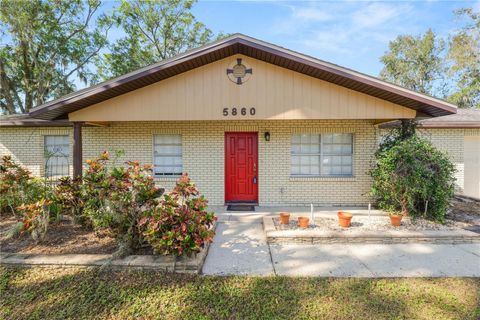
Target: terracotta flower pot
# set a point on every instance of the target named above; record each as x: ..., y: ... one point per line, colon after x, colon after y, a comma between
x: 396, y: 219
x: 344, y: 219
x: 284, y: 217
x: 303, y: 222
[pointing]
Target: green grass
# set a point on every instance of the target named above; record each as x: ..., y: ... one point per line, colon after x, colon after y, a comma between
x: 82, y: 293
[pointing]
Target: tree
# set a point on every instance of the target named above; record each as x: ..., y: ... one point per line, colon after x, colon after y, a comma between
x: 446, y: 69
x: 154, y: 31
x: 464, y: 55
x: 45, y: 46
x: 416, y: 63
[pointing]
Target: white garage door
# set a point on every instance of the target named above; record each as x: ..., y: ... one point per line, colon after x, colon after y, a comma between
x: 472, y: 166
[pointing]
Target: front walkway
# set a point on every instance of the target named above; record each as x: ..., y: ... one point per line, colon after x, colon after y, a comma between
x: 240, y: 248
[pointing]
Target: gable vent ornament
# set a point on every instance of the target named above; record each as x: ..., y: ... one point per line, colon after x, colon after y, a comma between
x: 239, y: 72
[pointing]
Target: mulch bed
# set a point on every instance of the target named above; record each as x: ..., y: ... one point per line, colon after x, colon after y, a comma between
x: 62, y: 237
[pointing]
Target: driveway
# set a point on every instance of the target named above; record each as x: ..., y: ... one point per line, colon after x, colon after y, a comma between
x: 240, y: 248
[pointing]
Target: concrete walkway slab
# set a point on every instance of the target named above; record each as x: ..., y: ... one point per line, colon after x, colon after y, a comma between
x: 377, y: 260
x: 239, y: 248
x: 316, y: 260
x: 471, y: 248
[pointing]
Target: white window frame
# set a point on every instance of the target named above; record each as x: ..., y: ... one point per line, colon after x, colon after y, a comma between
x: 322, y: 155
x: 155, y: 155
x: 47, y: 160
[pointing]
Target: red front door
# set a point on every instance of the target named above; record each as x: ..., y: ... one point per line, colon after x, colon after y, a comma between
x: 241, y: 167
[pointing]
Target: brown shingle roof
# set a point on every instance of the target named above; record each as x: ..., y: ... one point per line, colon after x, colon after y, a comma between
x: 241, y: 44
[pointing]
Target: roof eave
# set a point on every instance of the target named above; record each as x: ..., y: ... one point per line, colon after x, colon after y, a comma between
x: 453, y: 124
x: 34, y: 123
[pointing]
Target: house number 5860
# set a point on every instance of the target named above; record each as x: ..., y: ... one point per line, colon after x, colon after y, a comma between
x: 238, y: 111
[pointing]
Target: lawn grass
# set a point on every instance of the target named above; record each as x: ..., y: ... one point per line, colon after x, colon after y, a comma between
x: 86, y: 293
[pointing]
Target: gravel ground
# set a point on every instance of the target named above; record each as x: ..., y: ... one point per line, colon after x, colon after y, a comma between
x: 373, y: 223
x: 464, y: 213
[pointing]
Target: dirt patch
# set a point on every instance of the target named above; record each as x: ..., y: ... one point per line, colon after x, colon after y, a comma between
x: 465, y: 210
x: 63, y: 237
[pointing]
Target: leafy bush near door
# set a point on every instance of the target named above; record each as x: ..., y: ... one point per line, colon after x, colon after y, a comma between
x: 412, y: 177
x: 181, y: 224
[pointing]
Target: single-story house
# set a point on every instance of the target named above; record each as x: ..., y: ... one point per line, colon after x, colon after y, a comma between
x: 249, y: 121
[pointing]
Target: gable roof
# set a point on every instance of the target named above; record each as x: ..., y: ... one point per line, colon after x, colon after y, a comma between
x: 464, y: 118
x: 257, y: 49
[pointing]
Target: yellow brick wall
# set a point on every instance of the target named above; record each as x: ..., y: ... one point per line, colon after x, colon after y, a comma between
x: 203, y: 155
x: 452, y: 141
x: 26, y: 145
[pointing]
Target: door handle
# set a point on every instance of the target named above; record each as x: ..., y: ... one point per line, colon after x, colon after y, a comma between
x: 255, y: 180
x: 254, y: 167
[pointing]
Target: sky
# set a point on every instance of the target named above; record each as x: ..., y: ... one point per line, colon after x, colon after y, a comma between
x: 353, y: 34
x: 350, y: 33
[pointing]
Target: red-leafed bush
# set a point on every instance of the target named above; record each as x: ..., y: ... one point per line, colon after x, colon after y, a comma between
x: 17, y: 186
x: 67, y: 194
x: 117, y: 198
x: 35, y: 219
x: 180, y: 225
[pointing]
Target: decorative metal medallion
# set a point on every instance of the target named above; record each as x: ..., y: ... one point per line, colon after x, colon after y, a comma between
x: 239, y: 72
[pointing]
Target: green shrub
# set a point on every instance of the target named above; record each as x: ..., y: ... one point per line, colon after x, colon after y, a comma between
x: 17, y: 186
x: 67, y: 194
x: 411, y: 176
x: 35, y: 218
x: 181, y: 224
x: 116, y: 198
x: 28, y: 198
x: 121, y: 199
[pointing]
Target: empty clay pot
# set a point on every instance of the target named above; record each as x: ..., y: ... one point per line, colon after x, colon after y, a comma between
x: 303, y: 222
x: 344, y: 219
x: 284, y: 217
x: 396, y: 219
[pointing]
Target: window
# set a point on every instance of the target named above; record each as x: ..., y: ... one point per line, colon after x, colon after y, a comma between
x: 322, y: 155
x: 167, y: 153
x: 57, y: 152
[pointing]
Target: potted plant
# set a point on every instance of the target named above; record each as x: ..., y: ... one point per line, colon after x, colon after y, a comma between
x: 303, y: 222
x: 344, y: 219
x: 284, y: 217
x: 396, y: 219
